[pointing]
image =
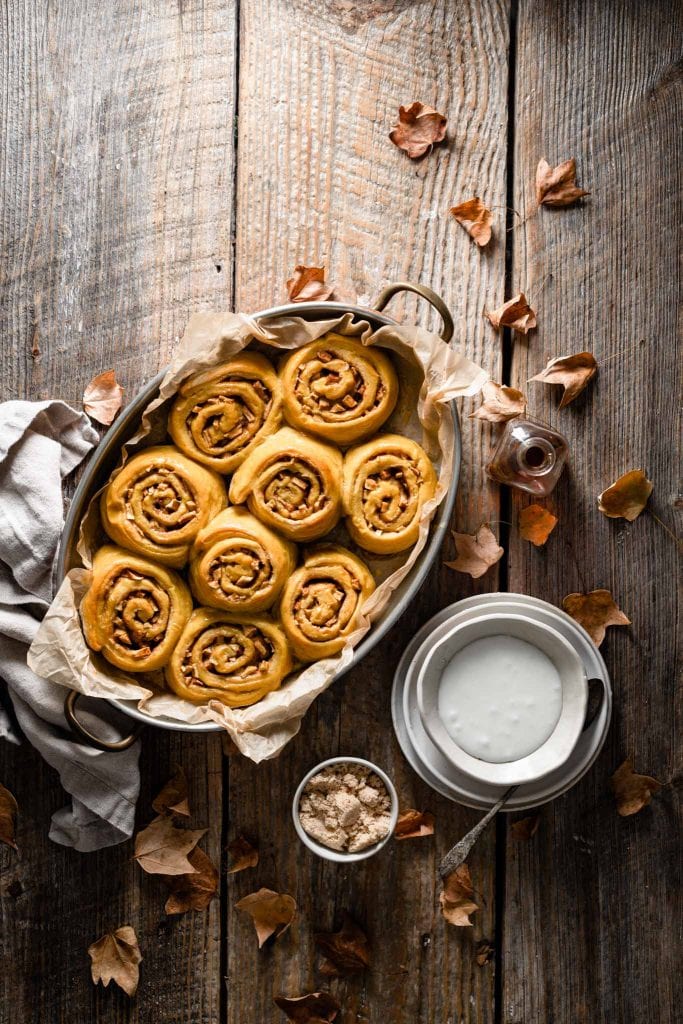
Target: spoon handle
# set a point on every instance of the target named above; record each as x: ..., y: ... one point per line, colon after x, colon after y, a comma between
x: 459, y: 853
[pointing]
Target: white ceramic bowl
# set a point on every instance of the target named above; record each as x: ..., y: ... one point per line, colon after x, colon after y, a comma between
x: 556, y: 749
x: 339, y: 856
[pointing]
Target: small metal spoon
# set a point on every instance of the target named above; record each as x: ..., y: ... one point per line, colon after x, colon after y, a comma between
x: 459, y: 853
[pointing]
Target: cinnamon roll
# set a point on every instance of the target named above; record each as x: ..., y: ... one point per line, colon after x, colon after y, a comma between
x: 230, y: 658
x: 338, y: 389
x: 134, y: 610
x: 321, y: 601
x: 386, y: 482
x: 219, y: 415
x: 237, y: 563
x: 292, y: 483
x: 159, y: 502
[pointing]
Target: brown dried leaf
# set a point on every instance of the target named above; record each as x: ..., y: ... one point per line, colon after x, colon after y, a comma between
x: 314, y: 1008
x: 515, y: 313
x: 475, y: 218
x: 536, y: 524
x: 632, y: 792
x: 411, y: 824
x: 308, y: 285
x: 484, y: 953
x: 192, y: 891
x: 173, y: 797
x: 556, y: 186
x: 271, y: 912
x: 525, y: 828
x: 572, y: 372
x: 102, y: 397
x: 456, y: 898
x: 243, y: 855
x: 9, y: 809
x: 419, y: 127
x: 595, y: 612
x: 162, y: 847
x: 347, y: 950
x: 500, y: 404
x: 116, y: 957
x: 627, y: 496
x: 476, y: 552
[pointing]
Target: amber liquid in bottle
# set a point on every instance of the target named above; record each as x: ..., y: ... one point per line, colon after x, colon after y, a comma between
x: 530, y: 456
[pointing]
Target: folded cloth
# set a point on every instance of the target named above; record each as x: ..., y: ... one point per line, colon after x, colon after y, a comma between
x: 40, y: 444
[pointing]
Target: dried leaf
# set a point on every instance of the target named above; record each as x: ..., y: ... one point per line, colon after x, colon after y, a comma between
x: 173, y: 797
x: 456, y: 898
x: 271, y: 912
x: 419, y: 127
x: 308, y: 285
x: 116, y: 957
x: 572, y: 372
x: 632, y: 792
x: 500, y: 404
x: 102, y: 397
x: 515, y: 313
x: 314, y: 1008
x: 627, y: 497
x: 595, y: 612
x: 536, y: 524
x: 347, y: 950
x: 484, y: 953
x: 475, y: 218
x: 476, y: 552
x: 412, y: 823
x: 556, y: 186
x: 192, y: 891
x: 9, y: 809
x: 162, y: 847
x: 243, y: 855
x: 525, y: 828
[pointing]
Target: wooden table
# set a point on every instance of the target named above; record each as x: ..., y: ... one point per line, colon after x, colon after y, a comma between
x: 163, y: 157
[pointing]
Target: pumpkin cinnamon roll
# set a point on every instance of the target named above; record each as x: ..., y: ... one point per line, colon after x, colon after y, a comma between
x: 231, y: 658
x: 134, y: 610
x: 159, y: 502
x: 292, y: 483
x: 239, y: 564
x: 321, y: 601
x: 386, y: 482
x: 338, y: 389
x: 219, y: 415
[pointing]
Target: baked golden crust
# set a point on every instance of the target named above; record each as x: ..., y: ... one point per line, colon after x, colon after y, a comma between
x: 386, y: 482
x: 134, y: 610
x: 159, y: 502
x: 220, y: 415
x: 338, y: 389
x: 321, y: 601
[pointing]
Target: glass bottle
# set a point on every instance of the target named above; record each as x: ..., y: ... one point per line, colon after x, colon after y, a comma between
x: 530, y: 456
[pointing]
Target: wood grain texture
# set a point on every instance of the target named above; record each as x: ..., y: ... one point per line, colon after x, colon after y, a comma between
x: 116, y: 184
x: 319, y: 182
x: 590, y: 910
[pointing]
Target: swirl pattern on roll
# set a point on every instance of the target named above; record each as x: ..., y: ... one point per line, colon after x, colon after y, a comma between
x: 322, y: 599
x: 134, y: 611
x: 338, y: 389
x: 234, y: 659
x: 237, y: 563
x: 386, y: 482
x: 219, y: 415
x: 291, y: 482
x: 158, y: 503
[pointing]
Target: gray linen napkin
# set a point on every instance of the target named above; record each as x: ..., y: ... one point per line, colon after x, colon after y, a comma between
x: 40, y: 444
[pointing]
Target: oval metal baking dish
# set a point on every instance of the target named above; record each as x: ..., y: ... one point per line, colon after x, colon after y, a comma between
x: 106, y: 457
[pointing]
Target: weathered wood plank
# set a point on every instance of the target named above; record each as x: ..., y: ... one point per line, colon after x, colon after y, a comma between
x: 589, y: 916
x: 318, y: 180
x: 116, y: 189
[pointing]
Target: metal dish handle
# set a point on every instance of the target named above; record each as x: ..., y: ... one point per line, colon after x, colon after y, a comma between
x: 107, y: 745
x: 425, y: 293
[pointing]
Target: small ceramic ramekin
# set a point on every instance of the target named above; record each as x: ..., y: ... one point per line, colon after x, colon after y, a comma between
x: 340, y: 856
